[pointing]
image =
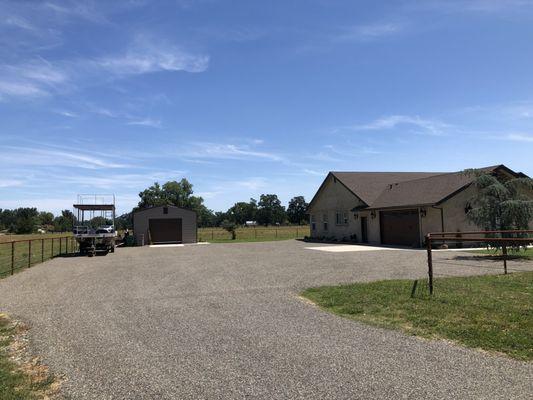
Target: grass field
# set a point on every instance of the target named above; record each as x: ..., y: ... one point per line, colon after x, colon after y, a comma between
x: 43, y: 247
x: 492, y: 312
x: 527, y: 253
x: 253, y: 234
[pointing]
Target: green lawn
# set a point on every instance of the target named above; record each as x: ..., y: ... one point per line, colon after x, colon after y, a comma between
x: 493, y: 312
x: 16, y: 384
x: 527, y: 253
x: 253, y: 234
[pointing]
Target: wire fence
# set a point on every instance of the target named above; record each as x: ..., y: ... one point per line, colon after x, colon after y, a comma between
x: 254, y: 233
x: 24, y: 253
x: 505, y: 240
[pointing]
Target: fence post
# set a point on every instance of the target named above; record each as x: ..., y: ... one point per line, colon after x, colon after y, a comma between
x: 430, y: 264
x: 12, y: 258
x: 504, y: 251
x: 60, y: 245
x: 29, y: 253
x: 52, y: 250
x: 42, y: 250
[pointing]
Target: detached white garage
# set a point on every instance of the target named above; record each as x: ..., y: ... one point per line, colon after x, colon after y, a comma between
x: 164, y: 225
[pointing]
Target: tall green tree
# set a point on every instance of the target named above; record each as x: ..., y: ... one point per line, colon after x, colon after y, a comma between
x: 46, y: 218
x: 500, y: 203
x: 26, y: 220
x: 269, y: 210
x: 65, y: 222
x: 178, y: 194
x: 297, y: 210
x: 242, y: 211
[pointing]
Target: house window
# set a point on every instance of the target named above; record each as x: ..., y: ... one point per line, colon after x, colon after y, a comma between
x: 165, y: 210
x: 341, y: 218
x: 313, y: 223
x: 325, y: 221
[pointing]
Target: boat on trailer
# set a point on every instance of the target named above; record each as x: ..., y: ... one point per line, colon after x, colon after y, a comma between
x: 93, y: 239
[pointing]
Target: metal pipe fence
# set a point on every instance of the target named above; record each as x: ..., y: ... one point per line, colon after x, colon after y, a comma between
x: 501, y: 239
x: 25, y: 253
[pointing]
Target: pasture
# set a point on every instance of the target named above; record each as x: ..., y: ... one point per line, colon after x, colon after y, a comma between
x: 22, y: 251
x: 253, y: 234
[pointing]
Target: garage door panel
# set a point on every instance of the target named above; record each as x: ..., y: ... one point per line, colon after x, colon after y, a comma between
x: 400, y: 228
x: 165, y: 230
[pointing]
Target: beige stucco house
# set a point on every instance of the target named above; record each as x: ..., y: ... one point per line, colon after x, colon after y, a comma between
x: 394, y: 208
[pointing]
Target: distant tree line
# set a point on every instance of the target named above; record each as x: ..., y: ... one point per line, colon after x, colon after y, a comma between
x: 28, y: 220
x: 267, y: 211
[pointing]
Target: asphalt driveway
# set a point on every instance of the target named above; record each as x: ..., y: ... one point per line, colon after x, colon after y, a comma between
x: 224, y: 321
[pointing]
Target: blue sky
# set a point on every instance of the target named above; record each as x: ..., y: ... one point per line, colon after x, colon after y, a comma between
x: 251, y: 97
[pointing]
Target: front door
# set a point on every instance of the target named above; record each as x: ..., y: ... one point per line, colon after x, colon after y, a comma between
x: 364, y: 230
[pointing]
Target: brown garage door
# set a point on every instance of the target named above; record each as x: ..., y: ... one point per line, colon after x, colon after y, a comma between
x: 400, y: 228
x: 165, y: 230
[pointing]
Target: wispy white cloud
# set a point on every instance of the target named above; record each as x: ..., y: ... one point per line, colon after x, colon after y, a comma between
x: 147, y: 55
x: 19, y: 22
x: 32, y: 79
x: 75, y: 9
x: 211, y: 150
x: 5, y: 183
x: 370, y: 31
x: 469, y: 6
x: 423, y: 125
x: 254, y: 183
x: 153, y: 123
x: 26, y: 156
x: 519, y: 137
x: 65, y: 113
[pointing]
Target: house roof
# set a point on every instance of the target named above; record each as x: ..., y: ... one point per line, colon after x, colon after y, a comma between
x: 402, y: 189
x: 368, y: 186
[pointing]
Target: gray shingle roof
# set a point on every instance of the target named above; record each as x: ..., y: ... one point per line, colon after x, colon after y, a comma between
x: 400, y: 189
x: 368, y: 186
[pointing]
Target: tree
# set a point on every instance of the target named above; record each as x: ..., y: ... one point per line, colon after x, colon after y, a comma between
x: 46, y: 218
x: 124, y: 221
x: 270, y: 210
x: 230, y: 227
x: 25, y: 220
x: 242, y: 211
x: 97, y: 222
x: 65, y: 222
x: 178, y: 194
x: 297, y: 210
x: 206, y: 217
x: 501, y: 204
x: 219, y: 217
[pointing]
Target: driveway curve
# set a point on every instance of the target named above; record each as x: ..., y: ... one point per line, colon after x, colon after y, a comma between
x: 224, y: 321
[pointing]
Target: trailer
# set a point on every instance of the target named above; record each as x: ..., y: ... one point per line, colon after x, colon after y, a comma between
x: 95, y: 228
